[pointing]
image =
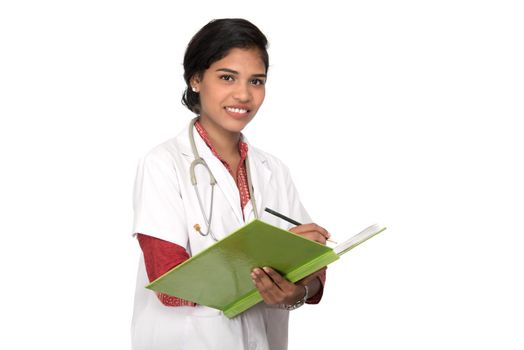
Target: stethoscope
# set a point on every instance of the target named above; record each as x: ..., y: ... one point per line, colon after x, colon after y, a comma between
x: 212, y: 181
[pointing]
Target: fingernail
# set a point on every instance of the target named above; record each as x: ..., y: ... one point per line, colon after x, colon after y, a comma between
x: 266, y: 269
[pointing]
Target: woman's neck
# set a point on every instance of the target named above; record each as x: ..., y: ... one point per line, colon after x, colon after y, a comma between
x: 224, y: 141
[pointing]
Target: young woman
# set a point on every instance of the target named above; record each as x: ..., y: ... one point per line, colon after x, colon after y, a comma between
x: 226, y: 65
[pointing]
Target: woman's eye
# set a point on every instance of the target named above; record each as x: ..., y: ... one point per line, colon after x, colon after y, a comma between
x: 226, y: 77
x: 258, y: 82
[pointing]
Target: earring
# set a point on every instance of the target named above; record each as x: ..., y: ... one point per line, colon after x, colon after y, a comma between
x: 194, y: 89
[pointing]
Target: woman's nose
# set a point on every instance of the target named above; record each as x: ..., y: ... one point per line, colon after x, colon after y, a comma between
x: 242, y: 92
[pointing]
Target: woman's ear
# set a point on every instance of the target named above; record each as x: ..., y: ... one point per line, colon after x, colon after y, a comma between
x: 195, y: 83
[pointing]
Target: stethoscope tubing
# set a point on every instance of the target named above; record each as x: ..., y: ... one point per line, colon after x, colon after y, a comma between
x: 212, y: 181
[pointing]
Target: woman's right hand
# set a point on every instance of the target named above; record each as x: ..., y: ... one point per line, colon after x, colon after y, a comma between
x: 312, y: 231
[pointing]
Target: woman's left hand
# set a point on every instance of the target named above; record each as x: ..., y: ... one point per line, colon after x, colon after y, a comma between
x: 274, y: 288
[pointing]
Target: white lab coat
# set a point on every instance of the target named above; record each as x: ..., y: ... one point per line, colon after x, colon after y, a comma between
x: 166, y: 207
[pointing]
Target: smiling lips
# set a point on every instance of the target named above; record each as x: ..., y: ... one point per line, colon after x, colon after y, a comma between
x: 237, y: 111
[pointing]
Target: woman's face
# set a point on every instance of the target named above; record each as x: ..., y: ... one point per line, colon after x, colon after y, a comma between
x: 231, y: 90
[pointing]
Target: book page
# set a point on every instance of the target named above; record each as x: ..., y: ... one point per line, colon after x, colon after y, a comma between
x: 358, y: 238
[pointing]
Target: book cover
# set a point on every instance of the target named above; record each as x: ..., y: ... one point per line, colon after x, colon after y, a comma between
x: 220, y: 276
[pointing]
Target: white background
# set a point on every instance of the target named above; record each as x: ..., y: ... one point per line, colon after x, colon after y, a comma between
x: 405, y: 113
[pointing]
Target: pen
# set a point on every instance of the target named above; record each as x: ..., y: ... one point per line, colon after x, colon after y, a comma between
x: 291, y: 221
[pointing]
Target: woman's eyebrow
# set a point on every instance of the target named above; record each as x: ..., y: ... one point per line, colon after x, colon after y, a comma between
x: 231, y: 71
x: 227, y: 70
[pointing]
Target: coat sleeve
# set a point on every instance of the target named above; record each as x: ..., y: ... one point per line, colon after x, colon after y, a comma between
x: 157, y: 202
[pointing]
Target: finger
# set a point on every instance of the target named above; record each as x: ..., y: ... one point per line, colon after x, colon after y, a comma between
x: 279, y: 287
x: 267, y: 289
x: 282, y: 283
x: 310, y: 227
x: 261, y: 279
x: 285, y: 291
x: 260, y: 285
x: 302, y: 229
x: 314, y: 236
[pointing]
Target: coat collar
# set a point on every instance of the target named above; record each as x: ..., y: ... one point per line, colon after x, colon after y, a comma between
x: 260, y: 171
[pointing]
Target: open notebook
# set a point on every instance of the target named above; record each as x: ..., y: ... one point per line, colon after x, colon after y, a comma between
x: 219, y: 276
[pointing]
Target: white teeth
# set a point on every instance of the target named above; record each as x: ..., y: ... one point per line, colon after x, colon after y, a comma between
x: 236, y: 110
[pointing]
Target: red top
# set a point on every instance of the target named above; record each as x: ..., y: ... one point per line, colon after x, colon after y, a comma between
x: 161, y: 256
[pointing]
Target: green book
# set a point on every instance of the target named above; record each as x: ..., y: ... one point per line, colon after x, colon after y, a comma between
x: 220, y: 275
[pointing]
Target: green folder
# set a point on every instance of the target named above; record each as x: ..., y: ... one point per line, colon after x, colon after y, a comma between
x: 220, y: 276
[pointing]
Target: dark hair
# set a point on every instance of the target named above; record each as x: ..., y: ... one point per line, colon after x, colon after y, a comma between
x: 212, y: 43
